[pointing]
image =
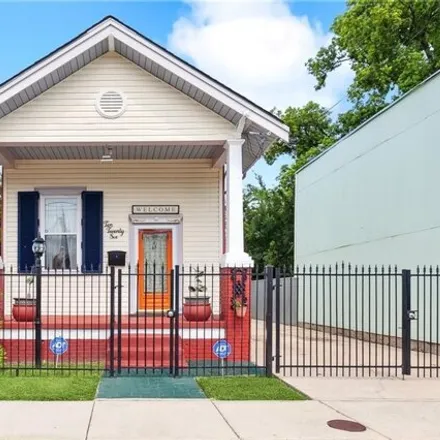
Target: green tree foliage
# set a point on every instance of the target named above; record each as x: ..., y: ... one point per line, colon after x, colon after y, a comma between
x: 391, y: 46
x: 310, y: 127
x: 269, y: 223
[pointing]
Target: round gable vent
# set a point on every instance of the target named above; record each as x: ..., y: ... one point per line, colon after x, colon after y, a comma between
x: 110, y: 104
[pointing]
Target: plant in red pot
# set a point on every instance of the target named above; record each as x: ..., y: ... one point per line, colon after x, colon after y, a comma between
x: 197, y: 305
x: 239, y: 305
x: 239, y: 300
x: 24, y: 308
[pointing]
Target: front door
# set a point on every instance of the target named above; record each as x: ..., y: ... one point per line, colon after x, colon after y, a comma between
x: 155, y: 264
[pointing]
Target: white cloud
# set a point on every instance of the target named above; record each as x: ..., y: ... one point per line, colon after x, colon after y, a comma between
x: 258, y: 48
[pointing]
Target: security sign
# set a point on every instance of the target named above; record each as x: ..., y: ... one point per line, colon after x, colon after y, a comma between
x: 58, y: 346
x: 222, y: 349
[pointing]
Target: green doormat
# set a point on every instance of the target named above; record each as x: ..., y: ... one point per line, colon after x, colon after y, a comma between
x: 144, y: 387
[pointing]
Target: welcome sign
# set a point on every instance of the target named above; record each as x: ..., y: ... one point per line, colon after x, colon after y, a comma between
x: 155, y: 209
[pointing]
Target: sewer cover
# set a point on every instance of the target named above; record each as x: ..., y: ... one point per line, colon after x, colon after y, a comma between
x: 346, y: 425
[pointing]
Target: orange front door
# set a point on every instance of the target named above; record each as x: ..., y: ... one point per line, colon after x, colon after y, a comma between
x: 155, y: 263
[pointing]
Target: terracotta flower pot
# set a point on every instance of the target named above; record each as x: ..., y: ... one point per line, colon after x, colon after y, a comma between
x: 240, y: 312
x: 24, y: 310
x: 197, y: 309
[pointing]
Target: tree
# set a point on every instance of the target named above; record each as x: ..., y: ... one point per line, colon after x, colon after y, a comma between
x: 268, y: 224
x: 391, y: 46
x: 310, y: 127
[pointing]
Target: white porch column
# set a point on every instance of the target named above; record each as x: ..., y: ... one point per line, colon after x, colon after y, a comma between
x: 235, y: 255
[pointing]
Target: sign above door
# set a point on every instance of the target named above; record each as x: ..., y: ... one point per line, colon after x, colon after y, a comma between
x: 155, y: 209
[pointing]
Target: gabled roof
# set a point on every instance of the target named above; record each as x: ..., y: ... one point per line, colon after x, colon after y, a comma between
x: 260, y: 129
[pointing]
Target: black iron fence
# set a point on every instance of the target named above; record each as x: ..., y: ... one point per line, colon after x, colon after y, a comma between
x: 357, y: 321
x: 189, y: 320
x: 326, y: 321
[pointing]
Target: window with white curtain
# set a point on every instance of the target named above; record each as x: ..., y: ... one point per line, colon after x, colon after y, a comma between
x: 61, y: 227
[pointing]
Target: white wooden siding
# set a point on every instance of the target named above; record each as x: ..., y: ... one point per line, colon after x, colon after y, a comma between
x: 156, y: 112
x: 194, y: 185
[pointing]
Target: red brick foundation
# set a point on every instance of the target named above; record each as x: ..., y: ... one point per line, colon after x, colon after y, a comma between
x: 80, y: 350
x: 198, y: 349
x: 2, y: 297
x: 237, y: 329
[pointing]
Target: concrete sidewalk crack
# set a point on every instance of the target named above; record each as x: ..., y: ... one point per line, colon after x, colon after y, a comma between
x: 90, y: 420
x: 226, y: 421
x: 352, y: 418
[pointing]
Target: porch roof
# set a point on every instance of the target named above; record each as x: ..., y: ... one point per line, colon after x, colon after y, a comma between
x: 257, y: 126
x: 129, y: 151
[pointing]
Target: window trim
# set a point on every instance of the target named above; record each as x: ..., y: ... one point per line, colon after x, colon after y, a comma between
x: 42, y: 214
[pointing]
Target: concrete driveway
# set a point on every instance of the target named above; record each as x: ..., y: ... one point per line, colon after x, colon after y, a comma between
x: 350, y: 357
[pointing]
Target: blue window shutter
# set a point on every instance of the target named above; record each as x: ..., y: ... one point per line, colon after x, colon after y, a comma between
x: 27, y: 228
x: 92, y: 231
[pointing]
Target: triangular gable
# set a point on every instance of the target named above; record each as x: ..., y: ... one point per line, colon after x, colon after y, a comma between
x: 110, y: 34
x: 154, y: 111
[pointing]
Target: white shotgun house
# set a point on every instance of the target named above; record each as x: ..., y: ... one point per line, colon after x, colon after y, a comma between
x: 111, y: 142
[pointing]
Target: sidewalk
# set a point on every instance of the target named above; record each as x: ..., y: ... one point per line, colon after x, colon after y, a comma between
x: 170, y: 420
x: 391, y: 409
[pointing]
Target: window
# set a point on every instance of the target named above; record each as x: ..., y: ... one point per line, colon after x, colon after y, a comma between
x: 61, y: 229
x: 71, y: 222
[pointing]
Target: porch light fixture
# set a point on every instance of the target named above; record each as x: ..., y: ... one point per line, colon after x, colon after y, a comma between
x: 107, y: 157
x: 38, y: 247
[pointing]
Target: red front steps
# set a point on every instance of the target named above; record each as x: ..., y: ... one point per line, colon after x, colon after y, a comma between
x: 147, y: 351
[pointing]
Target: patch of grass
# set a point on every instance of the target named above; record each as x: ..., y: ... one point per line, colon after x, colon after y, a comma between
x: 248, y: 388
x: 44, y: 388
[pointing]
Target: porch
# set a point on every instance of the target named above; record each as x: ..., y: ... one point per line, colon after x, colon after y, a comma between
x: 91, y: 313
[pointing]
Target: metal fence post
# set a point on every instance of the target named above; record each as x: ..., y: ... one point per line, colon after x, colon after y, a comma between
x: 176, y: 319
x: 38, y: 336
x: 112, y: 321
x: 171, y: 316
x: 119, y: 321
x: 277, y: 320
x: 269, y: 319
x: 406, y: 322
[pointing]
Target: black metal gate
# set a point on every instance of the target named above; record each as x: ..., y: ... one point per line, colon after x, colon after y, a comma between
x: 143, y: 341
x: 356, y: 321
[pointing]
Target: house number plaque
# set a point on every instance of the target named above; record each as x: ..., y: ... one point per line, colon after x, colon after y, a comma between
x: 112, y: 231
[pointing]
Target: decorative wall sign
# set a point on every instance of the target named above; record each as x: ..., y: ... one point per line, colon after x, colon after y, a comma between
x: 111, y: 231
x: 155, y: 209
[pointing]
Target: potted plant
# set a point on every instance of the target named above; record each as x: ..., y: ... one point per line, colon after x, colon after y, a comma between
x: 239, y: 301
x: 240, y: 306
x: 25, y: 309
x: 197, y: 306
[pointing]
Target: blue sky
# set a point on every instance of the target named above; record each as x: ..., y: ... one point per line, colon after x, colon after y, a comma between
x: 30, y: 30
